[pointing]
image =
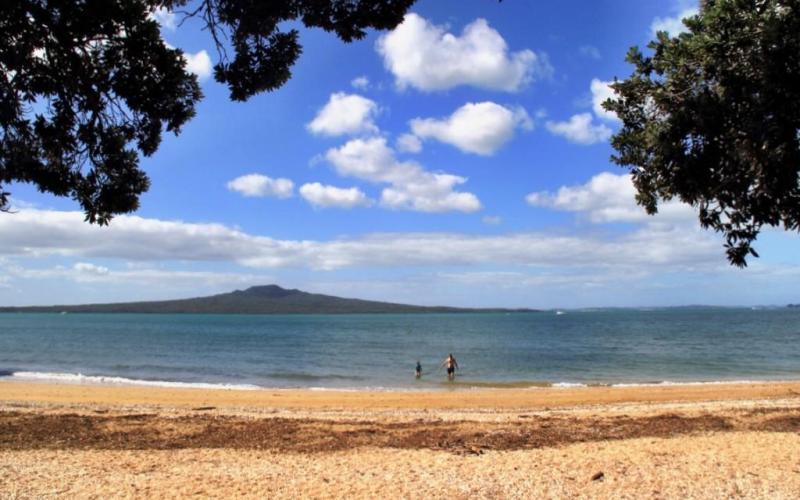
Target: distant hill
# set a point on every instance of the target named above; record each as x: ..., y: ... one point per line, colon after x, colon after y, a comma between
x: 269, y: 299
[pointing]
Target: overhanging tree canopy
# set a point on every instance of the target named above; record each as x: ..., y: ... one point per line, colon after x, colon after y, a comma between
x: 88, y: 85
x: 712, y: 118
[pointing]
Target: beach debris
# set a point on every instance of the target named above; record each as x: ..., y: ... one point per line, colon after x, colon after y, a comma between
x: 467, y: 450
x: 598, y: 476
x: 28, y: 430
x: 470, y: 450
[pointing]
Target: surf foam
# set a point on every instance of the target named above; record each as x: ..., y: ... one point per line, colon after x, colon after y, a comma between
x: 79, y: 378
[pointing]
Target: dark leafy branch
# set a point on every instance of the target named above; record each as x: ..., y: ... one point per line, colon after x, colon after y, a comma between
x: 264, y: 54
x: 712, y: 118
x: 87, y: 87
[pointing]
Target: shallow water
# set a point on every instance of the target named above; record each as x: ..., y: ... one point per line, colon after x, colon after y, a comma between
x: 615, y: 346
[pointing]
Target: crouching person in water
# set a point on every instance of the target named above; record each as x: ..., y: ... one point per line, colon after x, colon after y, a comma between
x: 452, y: 365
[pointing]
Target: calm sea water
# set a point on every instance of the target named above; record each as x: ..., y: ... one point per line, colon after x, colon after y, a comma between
x: 360, y: 351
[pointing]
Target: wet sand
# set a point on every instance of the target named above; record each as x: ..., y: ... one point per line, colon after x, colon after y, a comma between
x: 704, y: 441
x: 493, y: 399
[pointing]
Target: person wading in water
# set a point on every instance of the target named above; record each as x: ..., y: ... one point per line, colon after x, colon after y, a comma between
x: 452, y: 365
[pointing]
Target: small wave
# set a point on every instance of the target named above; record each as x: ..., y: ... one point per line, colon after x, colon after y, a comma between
x: 79, y: 378
x: 310, y: 377
x: 369, y: 388
x: 569, y: 385
x: 495, y: 384
x: 710, y: 382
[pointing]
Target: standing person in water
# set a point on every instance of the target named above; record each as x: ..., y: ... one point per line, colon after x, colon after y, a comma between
x: 451, y: 364
x: 418, y: 370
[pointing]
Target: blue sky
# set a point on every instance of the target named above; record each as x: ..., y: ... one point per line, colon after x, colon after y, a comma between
x: 460, y: 159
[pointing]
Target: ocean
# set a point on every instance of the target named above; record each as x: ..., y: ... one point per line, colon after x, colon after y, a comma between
x: 564, y: 348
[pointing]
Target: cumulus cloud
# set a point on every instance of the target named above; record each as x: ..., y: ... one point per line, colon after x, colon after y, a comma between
x: 345, y: 114
x: 360, y: 82
x: 164, y: 17
x: 257, y: 185
x: 609, y: 197
x: 580, y: 129
x: 590, y: 51
x: 32, y: 232
x: 600, y: 93
x: 423, y: 55
x: 672, y: 25
x: 480, y: 128
x: 198, y: 63
x: 323, y: 196
x: 411, y: 186
x: 409, y: 143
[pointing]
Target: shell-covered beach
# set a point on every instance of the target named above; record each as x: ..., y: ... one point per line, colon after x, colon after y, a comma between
x: 700, y: 441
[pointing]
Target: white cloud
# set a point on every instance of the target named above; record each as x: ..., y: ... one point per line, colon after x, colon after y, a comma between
x: 427, y: 57
x: 409, y: 143
x: 323, y: 196
x: 580, y: 129
x: 91, y: 269
x: 609, y: 197
x: 411, y: 186
x: 672, y: 25
x: 600, y: 93
x: 572, y: 281
x: 83, y: 272
x: 480, y: 128
x: 360, y: 82
x: 590, y: 51
x: 16, y: 204
x: 345, y: 114
x: 492, y: 220
x: 33, y: 232
x: 198, y: 63
x: 257, y: 185
x: 164, y: 17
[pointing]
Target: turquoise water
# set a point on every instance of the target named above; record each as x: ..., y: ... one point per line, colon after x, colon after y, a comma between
x: 380, y: 351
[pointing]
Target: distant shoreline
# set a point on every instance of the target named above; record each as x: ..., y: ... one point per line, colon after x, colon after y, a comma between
x: 57, y: 311
x: 266, y: 299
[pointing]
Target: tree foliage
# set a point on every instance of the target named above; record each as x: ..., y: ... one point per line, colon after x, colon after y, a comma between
x: 87, y: 86
x: 712, y: 118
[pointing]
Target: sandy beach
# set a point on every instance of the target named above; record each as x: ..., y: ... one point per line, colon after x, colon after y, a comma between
x: 700, y: 441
